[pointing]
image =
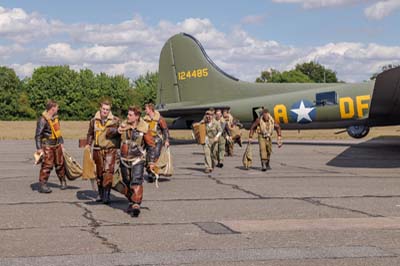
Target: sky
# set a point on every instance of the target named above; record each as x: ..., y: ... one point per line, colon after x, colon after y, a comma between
x: 355, y: 38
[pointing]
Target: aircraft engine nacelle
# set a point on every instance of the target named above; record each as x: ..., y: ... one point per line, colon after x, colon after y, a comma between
x: 358, y: 132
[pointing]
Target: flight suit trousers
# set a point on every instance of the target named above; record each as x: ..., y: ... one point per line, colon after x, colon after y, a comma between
x: 210, y: 154
x: 105, y: 161
x: 265, y: 148
x: 52, y: 156
x: 221, y: 149
x: 132, y: 177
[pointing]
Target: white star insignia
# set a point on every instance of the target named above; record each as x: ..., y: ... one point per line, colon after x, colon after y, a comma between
x: 303, y: 112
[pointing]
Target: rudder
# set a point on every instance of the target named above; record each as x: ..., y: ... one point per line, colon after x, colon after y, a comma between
x: 187, y: 74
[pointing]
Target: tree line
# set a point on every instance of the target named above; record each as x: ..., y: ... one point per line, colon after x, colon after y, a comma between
x: 77, y: 92
x: 80, y: 92
x: 310, y: 72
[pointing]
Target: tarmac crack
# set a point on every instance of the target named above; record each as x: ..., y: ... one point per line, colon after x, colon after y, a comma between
x: 94, y: 225
x: 319, y: 203
x: 311, y: 200
x: 236, y: 187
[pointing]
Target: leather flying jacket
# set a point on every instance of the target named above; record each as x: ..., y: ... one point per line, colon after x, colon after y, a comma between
x: 135, y: 140
x: 43, y: 133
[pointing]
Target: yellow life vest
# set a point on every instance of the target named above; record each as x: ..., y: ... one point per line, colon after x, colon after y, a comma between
x: 54, y: 125
x: 153, y: 123
x: 100, y: 131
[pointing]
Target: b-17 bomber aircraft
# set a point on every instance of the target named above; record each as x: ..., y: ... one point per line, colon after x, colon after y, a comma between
x: 190, y: 83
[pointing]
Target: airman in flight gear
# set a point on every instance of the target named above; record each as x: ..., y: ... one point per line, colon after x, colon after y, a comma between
x: 49, y: 144
x: 225, y: 136
x: 159, y: 130
x: 136, y: 141
x: 265, y: 126
x: 103, y: 135
x: 213, y: 132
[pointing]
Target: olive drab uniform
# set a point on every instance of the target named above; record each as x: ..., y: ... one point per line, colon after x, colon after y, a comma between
x: 222, y: 140
x: 265, y: 131
x: 213, y: 129
x: 136, y: 142
x: 48, y: 138
x: 159, y: 130
x: 103, y: 135
x: 235, y: 134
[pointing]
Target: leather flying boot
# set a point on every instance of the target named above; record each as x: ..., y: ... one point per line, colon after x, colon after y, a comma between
x: 135, y: 210
x: 63, y: 185
x: 106, y: 195
x: 267, y: 165
x: 100, y: 194
x: 263, y: 166
x: 43, y: 188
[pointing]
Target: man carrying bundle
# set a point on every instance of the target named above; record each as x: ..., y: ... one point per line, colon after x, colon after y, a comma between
x: 49, y: 145
x: 159, y: 131
x: 265, y: 126
x: 213, y: 132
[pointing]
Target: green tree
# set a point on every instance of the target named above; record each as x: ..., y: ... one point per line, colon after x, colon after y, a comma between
x: 292, y: 76
x: 145, y: 90
x: 54, y: 82
x: 14, y: 103
x: 317, y: 72
x: 78, y: 93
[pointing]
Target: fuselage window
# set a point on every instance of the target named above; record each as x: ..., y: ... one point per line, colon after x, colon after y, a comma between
x: 326, y: 98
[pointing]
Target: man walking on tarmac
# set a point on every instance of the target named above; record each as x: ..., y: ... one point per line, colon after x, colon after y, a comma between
x: 49, y: 145
x: 159, y: 131
x: 103, y: 135
x: 265, y: 125
x: 213, y: 132
x: 225, y: 136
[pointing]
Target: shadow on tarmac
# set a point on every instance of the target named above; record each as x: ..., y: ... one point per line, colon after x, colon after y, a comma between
x: 380, y: 152
x: 35, y: 186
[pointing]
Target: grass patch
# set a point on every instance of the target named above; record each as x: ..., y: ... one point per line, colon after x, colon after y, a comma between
x: 25, y: 130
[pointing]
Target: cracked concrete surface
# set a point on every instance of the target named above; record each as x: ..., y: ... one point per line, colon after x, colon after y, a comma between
x: 186, y: 220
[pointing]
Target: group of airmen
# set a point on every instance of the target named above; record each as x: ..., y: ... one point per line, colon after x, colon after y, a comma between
x: 134, y: 146
x: 135, y: 142
x: 222, y: 131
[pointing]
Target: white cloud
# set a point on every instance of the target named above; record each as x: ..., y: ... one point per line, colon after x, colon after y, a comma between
x: 17, y: 25
x: 382, y: 9
x: 8, y: 51
x: 24, y: 70
x: 132, y: 47
x: 253, y: 19
x: 377, y: 11
x: 320, y: 3
x: 63, y: 53
x: 352, y: 61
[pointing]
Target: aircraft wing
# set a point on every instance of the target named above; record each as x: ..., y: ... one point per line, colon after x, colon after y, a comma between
x: 192, y: 111
x: 183, y: 118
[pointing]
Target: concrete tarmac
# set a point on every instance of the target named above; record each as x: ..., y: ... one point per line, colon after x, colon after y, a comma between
x: 323, y: 203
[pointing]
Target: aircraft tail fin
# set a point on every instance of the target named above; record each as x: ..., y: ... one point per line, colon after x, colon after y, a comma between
x: 187, y: 74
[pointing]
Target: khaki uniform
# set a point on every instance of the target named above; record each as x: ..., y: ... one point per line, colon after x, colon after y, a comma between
x: 235, y: 134
x: 265, y: 130
x: 222, y: 140
x: 213, y: 128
